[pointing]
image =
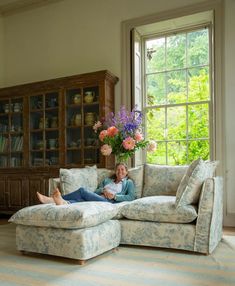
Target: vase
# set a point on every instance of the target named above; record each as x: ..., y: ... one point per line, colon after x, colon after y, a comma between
x: 121, y: 158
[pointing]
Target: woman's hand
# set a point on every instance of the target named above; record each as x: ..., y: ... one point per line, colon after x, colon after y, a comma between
x: 107, y: 194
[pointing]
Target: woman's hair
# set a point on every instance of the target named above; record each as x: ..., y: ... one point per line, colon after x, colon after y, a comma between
x: 118, y: 164
x: 121, y: 164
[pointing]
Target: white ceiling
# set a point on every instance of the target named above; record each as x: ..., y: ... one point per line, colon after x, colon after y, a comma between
x: 8, y: 7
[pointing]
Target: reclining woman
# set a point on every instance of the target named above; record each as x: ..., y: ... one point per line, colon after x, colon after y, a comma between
x: 114, y: 189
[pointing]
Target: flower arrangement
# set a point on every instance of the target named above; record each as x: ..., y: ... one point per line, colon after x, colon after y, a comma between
x: 121, y: 134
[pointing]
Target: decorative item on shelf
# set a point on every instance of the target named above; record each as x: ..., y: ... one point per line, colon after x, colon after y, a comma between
x: 79, y: 142
x: 7, y: 108
x: 52, y: 143
x: 73, y: 144
x: 121, y: 134
x: 43, y: 123
x: 90, y: 118
x: 89, y: 96
x: 77, y: 120
x: 54, y: 122
x: 77, y: 98
x: 40, y: 144
x: 17, y: 107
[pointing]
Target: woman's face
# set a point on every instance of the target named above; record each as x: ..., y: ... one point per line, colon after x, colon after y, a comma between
x: 121, y: 172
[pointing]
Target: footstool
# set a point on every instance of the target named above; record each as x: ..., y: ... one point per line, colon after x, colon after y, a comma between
x: 78, y: 231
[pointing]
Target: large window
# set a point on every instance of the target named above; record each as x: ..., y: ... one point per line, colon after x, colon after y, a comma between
x: 178, y: 95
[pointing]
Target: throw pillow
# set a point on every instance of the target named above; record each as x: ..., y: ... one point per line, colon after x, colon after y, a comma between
x: 159, y: 209
x: 189, y: 188
x: 73, y: 179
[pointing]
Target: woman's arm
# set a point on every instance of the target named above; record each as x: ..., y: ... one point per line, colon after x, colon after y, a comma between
x: 127, y: 193
x: 101, y: 186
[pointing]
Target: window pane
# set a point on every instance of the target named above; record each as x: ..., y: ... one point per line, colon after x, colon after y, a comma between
x: 155, y: 55
x: 156, y: 90
x: 176, y: 86
x: 198, y: 149
x: 156, y: 124
x: 177, y: 153
x: 175, y: 52
x: 159, y: 156
x: 198, y: 121
x: 198, y: 84
x: 176, y: 122
x: 198, y: 48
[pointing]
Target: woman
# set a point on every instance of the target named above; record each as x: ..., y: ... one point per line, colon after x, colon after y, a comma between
x: 115, y: 189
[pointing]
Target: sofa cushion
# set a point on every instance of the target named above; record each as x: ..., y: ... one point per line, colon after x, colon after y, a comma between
x: 103, y: 173
x: 159, y: 209
x: 75, y: 178
x: 162, y: 180
x: 189, y: 188
x: 77, y: 215
x: 137, y: 175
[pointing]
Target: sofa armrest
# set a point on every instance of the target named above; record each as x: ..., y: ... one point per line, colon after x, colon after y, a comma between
x: 53, y: 183
x: 210, y: 216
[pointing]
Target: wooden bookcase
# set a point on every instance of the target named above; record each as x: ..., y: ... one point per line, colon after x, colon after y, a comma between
x: 45, y: 126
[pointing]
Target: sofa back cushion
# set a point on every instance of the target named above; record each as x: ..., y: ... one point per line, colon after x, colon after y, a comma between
x: 75, y: 178
x: 161, y: 180
x: 137, y: 175
x: 190, y: 186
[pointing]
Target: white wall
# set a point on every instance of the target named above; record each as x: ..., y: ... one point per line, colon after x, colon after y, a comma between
x: 229, y: 93
x: 77, y: 36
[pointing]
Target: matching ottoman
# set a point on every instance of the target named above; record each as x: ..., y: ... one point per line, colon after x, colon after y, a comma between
x: 78, y: 231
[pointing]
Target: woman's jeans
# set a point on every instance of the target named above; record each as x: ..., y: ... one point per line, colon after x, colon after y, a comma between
x: 82, y: 195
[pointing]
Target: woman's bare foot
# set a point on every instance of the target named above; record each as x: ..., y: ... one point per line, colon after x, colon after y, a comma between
x: 44, y: 199
x: 58, y: 198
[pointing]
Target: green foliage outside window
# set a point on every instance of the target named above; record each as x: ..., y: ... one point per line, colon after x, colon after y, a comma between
x: 178, y: 97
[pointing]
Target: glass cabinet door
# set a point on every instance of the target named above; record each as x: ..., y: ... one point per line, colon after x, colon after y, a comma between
x: 11, y: 132
x: 82, y: 110
x: 44, y: 129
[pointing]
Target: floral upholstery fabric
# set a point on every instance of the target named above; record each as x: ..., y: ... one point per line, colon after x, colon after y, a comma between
x: 73, y: 179
x: 159, y: 209
x: 160, y: 180
x: 103, y: 173
x: 210, y: 216
x: 189, y: 189
x: 137, y: 175
x: 78, y: 215
x: 167, y: 235
x: 72, y: 243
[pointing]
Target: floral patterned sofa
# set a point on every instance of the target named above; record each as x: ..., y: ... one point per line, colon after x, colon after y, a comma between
x: 177, y: 207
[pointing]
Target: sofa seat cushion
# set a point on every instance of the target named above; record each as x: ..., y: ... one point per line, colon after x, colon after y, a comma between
x: 159, y: 209
x: 78, y: 215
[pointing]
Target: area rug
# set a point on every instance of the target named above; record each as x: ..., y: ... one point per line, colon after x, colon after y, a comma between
x: 134, y: 266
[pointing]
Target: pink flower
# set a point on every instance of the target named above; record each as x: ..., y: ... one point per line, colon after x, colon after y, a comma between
x: 106, y: 150
x: 102, y: 135
x: 96, y: 126
x: 128, y: 143
x: 112, y: 131
x: 152, y: 146
x: 138, y: 136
